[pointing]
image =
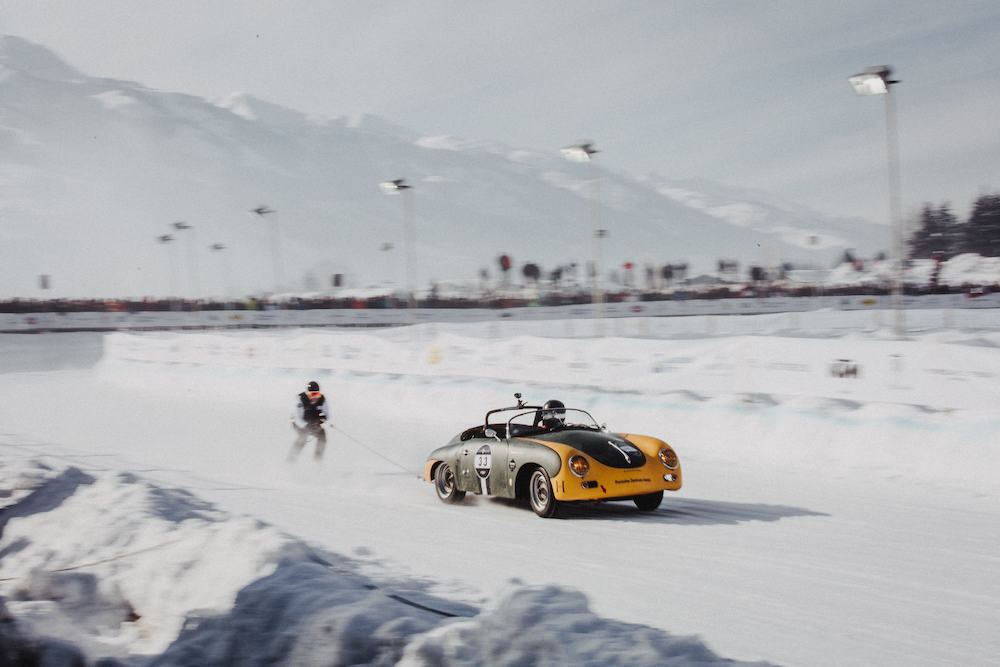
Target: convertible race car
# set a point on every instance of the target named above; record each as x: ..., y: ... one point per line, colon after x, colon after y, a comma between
x: 550, y: 454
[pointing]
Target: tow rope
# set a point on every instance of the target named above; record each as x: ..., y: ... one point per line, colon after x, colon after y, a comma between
x: 374, y: 451
x: 398, y: 597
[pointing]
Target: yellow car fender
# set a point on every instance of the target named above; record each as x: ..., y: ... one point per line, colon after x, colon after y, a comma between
x: 604, y: 482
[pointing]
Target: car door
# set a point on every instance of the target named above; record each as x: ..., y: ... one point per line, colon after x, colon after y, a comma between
x: 483, y: 466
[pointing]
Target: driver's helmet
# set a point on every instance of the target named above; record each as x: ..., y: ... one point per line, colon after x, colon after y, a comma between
x: 553, y: 414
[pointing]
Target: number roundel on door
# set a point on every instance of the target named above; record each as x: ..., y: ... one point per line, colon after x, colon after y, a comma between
x: 484, y: 461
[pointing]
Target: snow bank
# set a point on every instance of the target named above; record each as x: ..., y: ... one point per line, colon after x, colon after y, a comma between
x: 970, y: 269
x: 959, y: 271
x: 110, y: 566
x: 861, y: 367
x: 922, y: 407
x: 124, y: 559
x: 303, y: 614
x: 549, y: 625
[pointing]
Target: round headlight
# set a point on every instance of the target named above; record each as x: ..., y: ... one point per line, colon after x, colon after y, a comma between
x: 579, y: 465
x: 668, y: 458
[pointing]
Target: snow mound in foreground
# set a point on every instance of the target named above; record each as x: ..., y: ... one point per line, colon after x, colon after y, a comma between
x: 550, y: 625
x: 112, y: 567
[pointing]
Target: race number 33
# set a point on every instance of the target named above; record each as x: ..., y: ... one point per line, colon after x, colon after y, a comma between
x: 484, y: 461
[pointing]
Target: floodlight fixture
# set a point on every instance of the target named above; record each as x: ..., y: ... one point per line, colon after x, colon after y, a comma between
x: 873, y: 81
x: 580, y: 152
x: 393, y: 187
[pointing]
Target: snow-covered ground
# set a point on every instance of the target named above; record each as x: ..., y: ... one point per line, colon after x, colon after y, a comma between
x: 841, y: 502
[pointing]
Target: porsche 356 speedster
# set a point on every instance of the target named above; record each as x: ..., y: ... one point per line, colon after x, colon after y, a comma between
x: 550, y: 454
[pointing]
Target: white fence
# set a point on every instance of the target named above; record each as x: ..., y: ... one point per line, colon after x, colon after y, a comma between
x: 215, y: 319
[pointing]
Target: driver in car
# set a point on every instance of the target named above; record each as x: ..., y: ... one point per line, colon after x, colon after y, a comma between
x: 553, y: 415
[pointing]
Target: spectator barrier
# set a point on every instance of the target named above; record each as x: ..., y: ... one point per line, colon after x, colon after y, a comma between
x: 366, y: 317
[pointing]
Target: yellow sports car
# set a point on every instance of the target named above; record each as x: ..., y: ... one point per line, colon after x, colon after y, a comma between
x: 550, y: 454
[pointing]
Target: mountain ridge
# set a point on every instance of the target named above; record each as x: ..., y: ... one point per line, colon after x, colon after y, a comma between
x: 94, y: 170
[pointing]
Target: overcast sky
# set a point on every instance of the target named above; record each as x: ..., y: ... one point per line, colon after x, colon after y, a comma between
x: 752, y: 94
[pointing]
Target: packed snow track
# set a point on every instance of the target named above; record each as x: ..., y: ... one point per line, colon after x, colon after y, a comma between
x: 848, y: 519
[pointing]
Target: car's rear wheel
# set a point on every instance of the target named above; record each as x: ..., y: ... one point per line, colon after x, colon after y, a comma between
x: 540, y: 496
x: 445, y: 484
x: 648, y: 502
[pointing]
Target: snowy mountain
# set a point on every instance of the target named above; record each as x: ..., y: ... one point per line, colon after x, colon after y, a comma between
x: 93, y: 170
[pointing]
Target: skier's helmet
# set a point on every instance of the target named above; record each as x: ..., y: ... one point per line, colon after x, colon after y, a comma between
x: 312, y: 386
x: 553, y: 414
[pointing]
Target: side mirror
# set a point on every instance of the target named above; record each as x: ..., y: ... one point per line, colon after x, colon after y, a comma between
x: 490, y: 433
x: 604, y: 427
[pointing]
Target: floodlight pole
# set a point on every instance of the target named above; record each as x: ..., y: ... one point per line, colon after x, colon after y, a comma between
x: 878, y: 81
x: 166, y: 240
x: 895, y: 211
x: 400, y: 187
x: 193, y: 276
x: 260, y: 212
x: 583, y: 152
x: 223, y: 267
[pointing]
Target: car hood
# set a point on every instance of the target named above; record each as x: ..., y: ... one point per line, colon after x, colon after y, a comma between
x: 606, y: 448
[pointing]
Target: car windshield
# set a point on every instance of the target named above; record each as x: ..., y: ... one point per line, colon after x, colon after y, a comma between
x: 574, y: 418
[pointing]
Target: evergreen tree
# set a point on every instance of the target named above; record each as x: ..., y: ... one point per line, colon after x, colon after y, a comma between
x: 939, y: 234
x: 982, y: 231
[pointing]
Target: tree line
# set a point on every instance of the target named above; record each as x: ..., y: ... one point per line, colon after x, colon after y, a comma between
x: 941, y: 235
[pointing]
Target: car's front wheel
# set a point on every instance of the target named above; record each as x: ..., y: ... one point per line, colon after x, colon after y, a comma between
x: 540, y: 496
x: 445, y: 484
x: 648, y: 502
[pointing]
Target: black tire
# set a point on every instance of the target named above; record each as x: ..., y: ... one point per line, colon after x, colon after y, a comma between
x: 445, y: 484
x: 648, y: 502
x: 540, y: 495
